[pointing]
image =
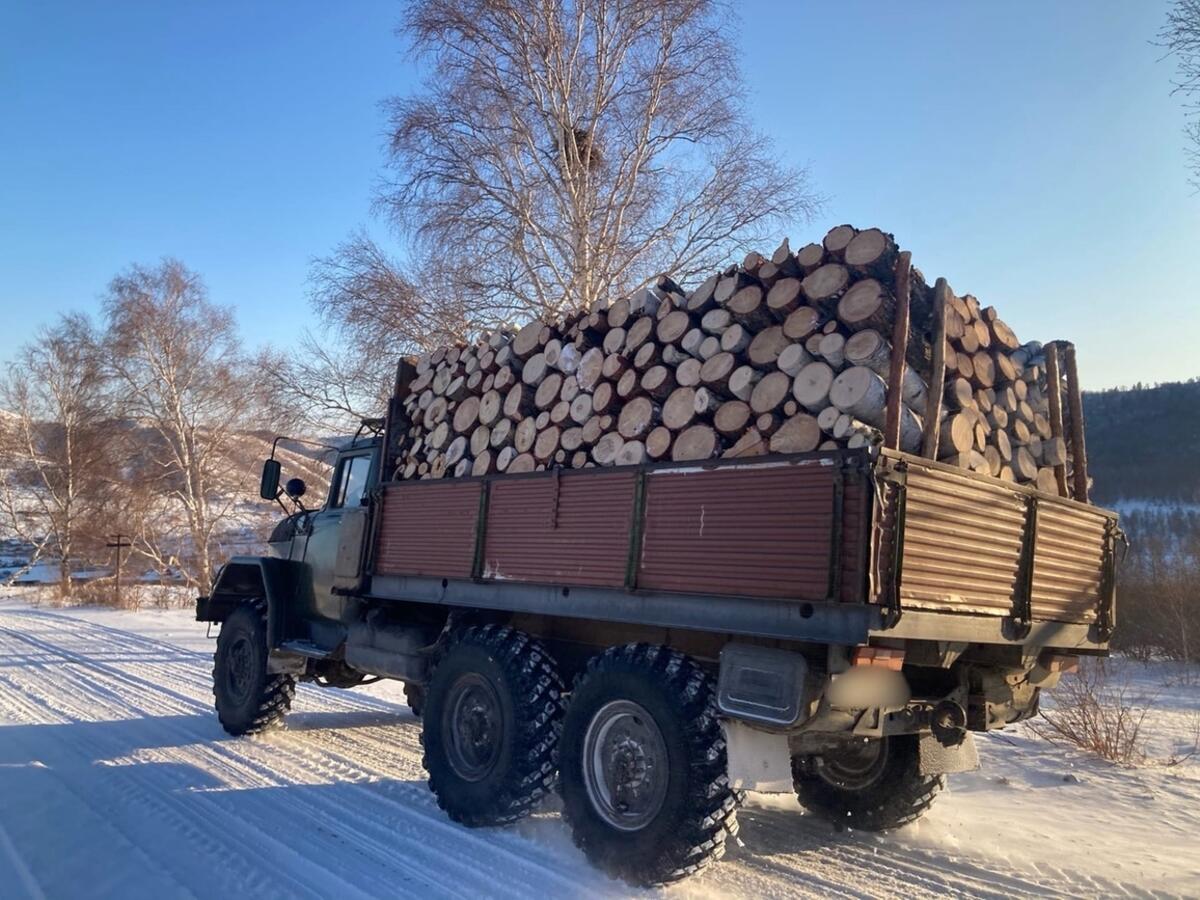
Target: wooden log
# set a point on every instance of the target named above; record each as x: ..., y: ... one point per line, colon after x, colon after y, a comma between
x: 801, y: 323
x: 547, y: 392
x: 481, y: 439
x: 526, y: 434
x: 985, y: 369
x: 742, y: 381
x: 749, y: 307
x: 837, y: 239
x: 715, y: 372
x: 637, y: 334
x: 784, y: 261
x: 658, y: 382
x: 784, y: 298
x: 702, y: 299
x: 687, y: 373
x: 606, y: 448
x: 867, y: 305
x: 690, y: 342
x: 501, y: 434
x: 751, y: 443
x: 466, y: 416
x: 770, y: 392
x: 792, y: 359
x: 1023, y: 465
x: 799, y: 434
x: 812, y: 384
x: 832, y: 349
x: 827, y: 418
x: 871, y: 252
x: 571, y: 439
x: 810, y: 257
x: 709, y: 347
x: 629, y: 385
x: 715, y: 321
x: 732, y: 417
x: 604, y: 398
x: 697, y: 442
x: 825, y: 285
x: 956, y: 434
x: 766, y: 346
x: 637, y: 417
x: 632, y: 453
x: 674, y: 326
x: 528, y: 340
x: 581, y: 408
x: 658, y: 442
x: 705, y: 402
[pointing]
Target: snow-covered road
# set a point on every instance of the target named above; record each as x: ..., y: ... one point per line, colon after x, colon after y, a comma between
x: 116, y: 781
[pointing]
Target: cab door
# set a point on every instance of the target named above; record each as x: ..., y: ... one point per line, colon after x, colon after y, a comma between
x: 333, y: 550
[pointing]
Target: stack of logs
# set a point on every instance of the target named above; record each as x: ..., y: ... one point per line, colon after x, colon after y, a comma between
x: 783, y: 354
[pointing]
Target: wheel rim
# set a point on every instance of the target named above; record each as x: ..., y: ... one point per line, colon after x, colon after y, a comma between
x: 475, y: 726
x: 856, y: 767
x: 626, y: 766
x: 239, y: 669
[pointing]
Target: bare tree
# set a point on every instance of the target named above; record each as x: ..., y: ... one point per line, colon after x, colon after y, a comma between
x: 56, y: 472
x: 375, y: 314
x: 564, y: 152
x: 1181, y: 38
x: 181, y: 374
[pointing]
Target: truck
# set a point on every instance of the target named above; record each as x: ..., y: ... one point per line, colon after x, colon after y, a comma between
x: 651, y: 641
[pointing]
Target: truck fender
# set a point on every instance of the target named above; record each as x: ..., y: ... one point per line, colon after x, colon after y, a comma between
x: 244, y: 578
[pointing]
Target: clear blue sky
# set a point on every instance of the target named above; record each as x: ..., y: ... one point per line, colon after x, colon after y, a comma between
x: 1029, y: 152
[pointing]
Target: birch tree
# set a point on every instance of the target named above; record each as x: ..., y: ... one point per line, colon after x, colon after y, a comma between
x: 561, y: 153
x: 55, y: 468
x: 178, y: 364
x: 1180, y: 35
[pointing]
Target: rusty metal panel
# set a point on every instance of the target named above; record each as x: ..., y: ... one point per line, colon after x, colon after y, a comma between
x: 1068, y: 562
x: 428, y: 528
x: 755, y: 530
x: 962, y: 543
x: 572, y: 529
x: 855, y: 538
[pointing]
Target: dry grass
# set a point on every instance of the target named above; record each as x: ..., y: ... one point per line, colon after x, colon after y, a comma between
x: 1097, y: 710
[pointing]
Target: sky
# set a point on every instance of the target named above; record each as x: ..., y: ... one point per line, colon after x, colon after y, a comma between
x: 1030, y: 153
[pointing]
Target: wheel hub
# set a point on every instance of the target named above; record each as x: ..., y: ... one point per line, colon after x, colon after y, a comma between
x: 625, y: 764
x: 475, y: 727
x: 240, y: 668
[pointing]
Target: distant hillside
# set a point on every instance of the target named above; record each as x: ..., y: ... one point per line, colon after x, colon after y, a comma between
x: 1144, y: 442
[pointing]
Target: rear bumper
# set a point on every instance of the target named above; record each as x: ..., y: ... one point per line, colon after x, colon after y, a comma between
x: 975, y: 629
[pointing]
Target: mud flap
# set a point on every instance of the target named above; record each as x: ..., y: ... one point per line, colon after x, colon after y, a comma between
x: 757, y: 760
x: 939, y: 759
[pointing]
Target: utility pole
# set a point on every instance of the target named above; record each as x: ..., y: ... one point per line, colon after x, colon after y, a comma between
x: 120, y: 544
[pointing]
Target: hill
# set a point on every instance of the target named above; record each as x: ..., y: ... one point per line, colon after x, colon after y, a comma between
x: 1143, y: 443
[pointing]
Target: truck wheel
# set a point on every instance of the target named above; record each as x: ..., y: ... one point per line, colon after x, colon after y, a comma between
x: 492, y: 717
x: 871, y: 784
x: 414, y: 696
x: 644, y: 780
x: 249, y: 699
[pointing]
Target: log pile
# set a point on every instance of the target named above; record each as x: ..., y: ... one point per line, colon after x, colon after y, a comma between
x: 787, y: 353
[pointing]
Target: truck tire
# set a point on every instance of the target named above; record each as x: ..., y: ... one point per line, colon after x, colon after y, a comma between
x: 414, y: 696
x: 873, y: 785
x: 641, y: 711
x: 492, y: 716
x: 249, y: 699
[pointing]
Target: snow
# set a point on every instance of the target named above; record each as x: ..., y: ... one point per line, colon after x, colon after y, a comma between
x: 116, y: 780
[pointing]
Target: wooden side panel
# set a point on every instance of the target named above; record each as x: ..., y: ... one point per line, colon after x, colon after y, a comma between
x: 758, y: 531
x: 428, y: 528
x: 570, y: 530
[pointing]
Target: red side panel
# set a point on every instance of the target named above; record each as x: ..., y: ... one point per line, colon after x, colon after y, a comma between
x: 573, y: 530
x: 428, y: 528
x: 756, y: 531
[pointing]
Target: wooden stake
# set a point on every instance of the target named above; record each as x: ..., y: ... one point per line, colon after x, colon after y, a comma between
x: 1075, y: 407
x: 937, y: 377
x: 1054, y: 390
x: 891, y: 430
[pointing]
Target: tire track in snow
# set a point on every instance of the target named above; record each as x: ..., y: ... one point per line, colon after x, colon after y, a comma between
x: 363, y: 788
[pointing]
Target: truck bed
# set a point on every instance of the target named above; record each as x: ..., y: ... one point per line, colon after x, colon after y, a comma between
x: 832, y: 546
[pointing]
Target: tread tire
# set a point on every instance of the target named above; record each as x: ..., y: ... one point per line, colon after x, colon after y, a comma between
x: 530, y: 692
x: 699, y: 812
x: 899, y: 793
x: 269, y: 697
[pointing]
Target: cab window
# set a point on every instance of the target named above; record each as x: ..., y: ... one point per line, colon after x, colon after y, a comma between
x: 352, y: 481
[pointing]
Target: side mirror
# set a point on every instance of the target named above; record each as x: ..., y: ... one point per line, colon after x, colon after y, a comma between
x: 295, y: 488
x: 268, y: 488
